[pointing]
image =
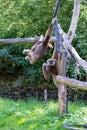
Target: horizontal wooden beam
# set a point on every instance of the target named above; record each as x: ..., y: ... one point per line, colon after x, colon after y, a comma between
x: 23, y: 40
x: 71, y: 82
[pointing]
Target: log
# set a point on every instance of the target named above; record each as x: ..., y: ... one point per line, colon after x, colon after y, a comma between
x: 62, y: 91
x: 24, y: 40
x: 71, y: 82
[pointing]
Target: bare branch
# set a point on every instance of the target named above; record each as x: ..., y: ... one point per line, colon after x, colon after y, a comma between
x: 71, y: 82
x: 85, y: 2
x: 78, y: 59
x: 23, y: 40
x: 74, y: 20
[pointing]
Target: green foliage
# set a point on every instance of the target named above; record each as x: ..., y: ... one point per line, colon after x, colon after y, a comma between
x: 26, y: 18
x: 81, y: 44
x: 9, y: 62
x: 23, y: 19
x: 34, y: 115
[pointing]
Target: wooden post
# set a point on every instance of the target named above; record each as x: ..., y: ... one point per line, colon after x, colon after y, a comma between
x: 45, y: 96
x: 36, y: 95
x: 62, y: 93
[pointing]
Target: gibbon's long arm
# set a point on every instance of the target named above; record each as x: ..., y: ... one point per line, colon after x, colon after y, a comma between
x: 41, y: 48
x: 54, y: 20
x: 57, y: 8
x: 51, y: 66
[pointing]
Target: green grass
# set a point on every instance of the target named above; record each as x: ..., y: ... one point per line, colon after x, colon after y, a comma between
x: 33, y: 115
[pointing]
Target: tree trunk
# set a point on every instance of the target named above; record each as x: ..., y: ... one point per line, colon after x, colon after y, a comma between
x: 62, y: 93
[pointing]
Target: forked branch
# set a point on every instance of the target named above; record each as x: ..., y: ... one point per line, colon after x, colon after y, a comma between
x: 67, y: 39
x: 70, y: 35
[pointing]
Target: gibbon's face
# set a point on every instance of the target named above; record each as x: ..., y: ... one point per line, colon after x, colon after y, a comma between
x: 50, y: 68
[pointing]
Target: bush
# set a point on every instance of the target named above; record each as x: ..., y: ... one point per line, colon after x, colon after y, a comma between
x: 30, y: 18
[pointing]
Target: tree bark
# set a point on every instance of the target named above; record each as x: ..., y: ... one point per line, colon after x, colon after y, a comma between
x: 77, y: 58
x: 23, y: 40
x: 45, y: 96
x: 71, y: 82
x: 62, y: 93
x: 74, y: 21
